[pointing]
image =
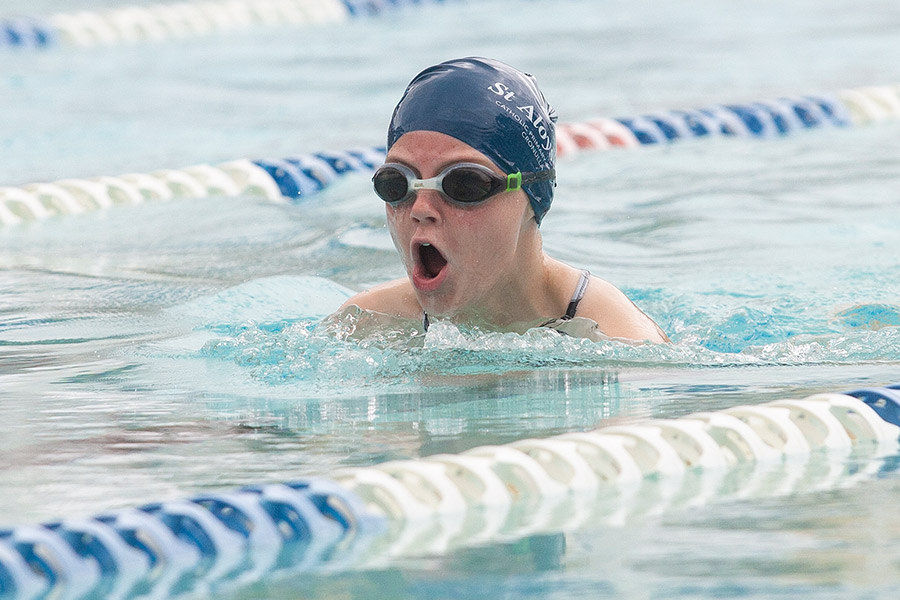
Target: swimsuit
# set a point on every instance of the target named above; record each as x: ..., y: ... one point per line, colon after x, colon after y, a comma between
x: 577, y: 295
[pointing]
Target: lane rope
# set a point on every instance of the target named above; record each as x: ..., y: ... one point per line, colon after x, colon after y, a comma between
x: 158, y: 22
x: 365, y: 516
x: 295, y: 178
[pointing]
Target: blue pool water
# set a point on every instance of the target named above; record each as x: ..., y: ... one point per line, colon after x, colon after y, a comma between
x: 156, y: 351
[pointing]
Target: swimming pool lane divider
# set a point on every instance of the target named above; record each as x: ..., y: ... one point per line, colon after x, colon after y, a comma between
x: 368, y: 515
x: 298, y: 177
x: 157, y: 22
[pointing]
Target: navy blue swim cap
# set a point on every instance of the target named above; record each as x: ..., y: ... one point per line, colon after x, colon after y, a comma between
x: 491, y: 106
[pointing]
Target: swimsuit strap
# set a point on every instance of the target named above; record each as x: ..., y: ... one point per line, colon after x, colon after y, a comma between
x: 577, y: 295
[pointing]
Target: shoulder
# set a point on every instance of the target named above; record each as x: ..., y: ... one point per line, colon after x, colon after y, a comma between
x: 393, y: 298
x: 616, y: 315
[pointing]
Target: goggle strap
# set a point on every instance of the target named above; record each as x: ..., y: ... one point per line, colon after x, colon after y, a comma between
x: 527, y: 178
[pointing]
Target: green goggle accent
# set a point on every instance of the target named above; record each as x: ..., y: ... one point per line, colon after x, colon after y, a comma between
x: 514, y: 181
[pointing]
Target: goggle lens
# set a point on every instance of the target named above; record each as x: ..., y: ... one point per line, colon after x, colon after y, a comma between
x: 468, y: 185
x: 391, y: 185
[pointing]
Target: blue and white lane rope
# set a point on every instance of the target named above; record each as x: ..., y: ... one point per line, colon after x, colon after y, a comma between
x: 298, y: 177
x: 156, y: 22
x: 365, y: 515
x: 26, y: 33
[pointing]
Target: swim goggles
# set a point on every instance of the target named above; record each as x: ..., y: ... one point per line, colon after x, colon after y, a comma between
x: 462, y: 183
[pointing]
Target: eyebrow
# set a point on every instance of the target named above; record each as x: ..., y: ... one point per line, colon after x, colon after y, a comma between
x: 479, y: 160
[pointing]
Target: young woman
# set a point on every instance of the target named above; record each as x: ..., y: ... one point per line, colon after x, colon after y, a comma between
x: 468, y: 177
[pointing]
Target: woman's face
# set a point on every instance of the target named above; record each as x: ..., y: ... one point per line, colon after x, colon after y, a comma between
x: 460, y: 259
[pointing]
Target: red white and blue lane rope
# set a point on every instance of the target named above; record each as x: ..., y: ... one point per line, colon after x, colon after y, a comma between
x: 157, y: 22
x: 432, y: 504
x: 294, y: 178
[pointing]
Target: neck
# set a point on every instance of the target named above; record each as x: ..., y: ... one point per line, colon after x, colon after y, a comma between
x: 521, y: 298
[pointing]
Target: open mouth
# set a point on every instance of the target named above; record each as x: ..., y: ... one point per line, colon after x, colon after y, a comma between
x: 433, y: 262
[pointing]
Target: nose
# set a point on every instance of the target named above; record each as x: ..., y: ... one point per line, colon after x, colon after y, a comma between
x: 426, y: 206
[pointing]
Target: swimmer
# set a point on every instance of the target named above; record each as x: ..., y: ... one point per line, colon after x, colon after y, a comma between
x: 468, y: 177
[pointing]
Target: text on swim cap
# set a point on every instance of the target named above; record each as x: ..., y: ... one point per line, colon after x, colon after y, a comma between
x: 537, y: 122
x: 535, y: 119
x: 502, y: 90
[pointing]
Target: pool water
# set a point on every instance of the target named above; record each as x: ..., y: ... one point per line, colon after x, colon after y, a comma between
x: 157, y: 351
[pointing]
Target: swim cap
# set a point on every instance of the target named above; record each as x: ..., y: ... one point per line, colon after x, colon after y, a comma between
x: 491, y: 106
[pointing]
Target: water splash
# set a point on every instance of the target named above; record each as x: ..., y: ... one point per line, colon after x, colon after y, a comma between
x: 308, y: 351
x: 273, y: 330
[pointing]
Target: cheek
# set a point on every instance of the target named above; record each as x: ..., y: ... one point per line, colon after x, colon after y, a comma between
x: 397, y: 237
x: 393, y: 223
x: 490, y: 242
